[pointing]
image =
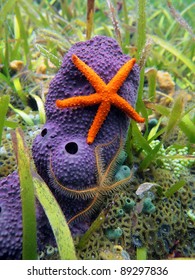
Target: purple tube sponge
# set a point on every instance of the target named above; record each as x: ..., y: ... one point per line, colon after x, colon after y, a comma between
x: 61, y: 154
x: 61, y: 147
x: 10, y: 218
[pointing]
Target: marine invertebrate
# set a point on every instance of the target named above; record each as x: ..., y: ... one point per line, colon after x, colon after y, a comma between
x: 148, y: 206
x: 10, y: 218
x: 105, y: 183
x: 164, y: 226
x: 123, y: 172
x: 128, y: 204
x: 105, y: 95
x: 62, y: 157
x: 82, y: 176
x: 78, y: 174
x: 114, y: 233
x: 120, y: 212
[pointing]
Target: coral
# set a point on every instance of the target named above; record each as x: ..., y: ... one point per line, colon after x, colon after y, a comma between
x: 49, y: 252
x: 7, y: 158
x: 165, y: 227
x: 120, y: 212
x: 152, y: 123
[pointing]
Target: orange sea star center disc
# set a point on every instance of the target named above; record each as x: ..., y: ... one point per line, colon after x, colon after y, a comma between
x: 105, y: 95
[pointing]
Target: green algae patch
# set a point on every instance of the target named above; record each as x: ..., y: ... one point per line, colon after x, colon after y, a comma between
x: 29, y: 245
x: 57, y: 220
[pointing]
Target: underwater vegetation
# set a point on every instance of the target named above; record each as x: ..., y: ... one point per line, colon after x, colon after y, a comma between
x: 102, y: 113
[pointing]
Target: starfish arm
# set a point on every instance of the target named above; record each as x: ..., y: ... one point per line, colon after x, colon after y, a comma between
x: 79, y: 101
x: 123, y: 105
x: 100, y: 117
x: 117, y: 81
x: 89, y: 73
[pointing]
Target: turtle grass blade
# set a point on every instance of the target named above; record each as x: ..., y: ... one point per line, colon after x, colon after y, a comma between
x: 139, y: 139
x: 141, y: 253
x: 141, y: 27
x: 23, y: 115
x: 10, y: 124
x: 49, y: 55
x: 29, y: 245
x: 175, y: 115
x: 41, y: 108
x: 185, y: 123
x: 174, y: 51
x: 95, y: 225
x: 174, y: 188
x: 188, y: 127
x: 150, y: 157
x: 4, y: 103
x: 6, y: 9
x: 56, y: 218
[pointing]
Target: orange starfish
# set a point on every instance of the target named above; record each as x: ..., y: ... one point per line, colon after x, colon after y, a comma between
x: 105, y: 95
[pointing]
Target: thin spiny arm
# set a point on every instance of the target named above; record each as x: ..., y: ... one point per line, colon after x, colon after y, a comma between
x: 91, y: 205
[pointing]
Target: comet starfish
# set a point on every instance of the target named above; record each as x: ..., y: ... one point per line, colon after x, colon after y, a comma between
x: 105, y: 95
